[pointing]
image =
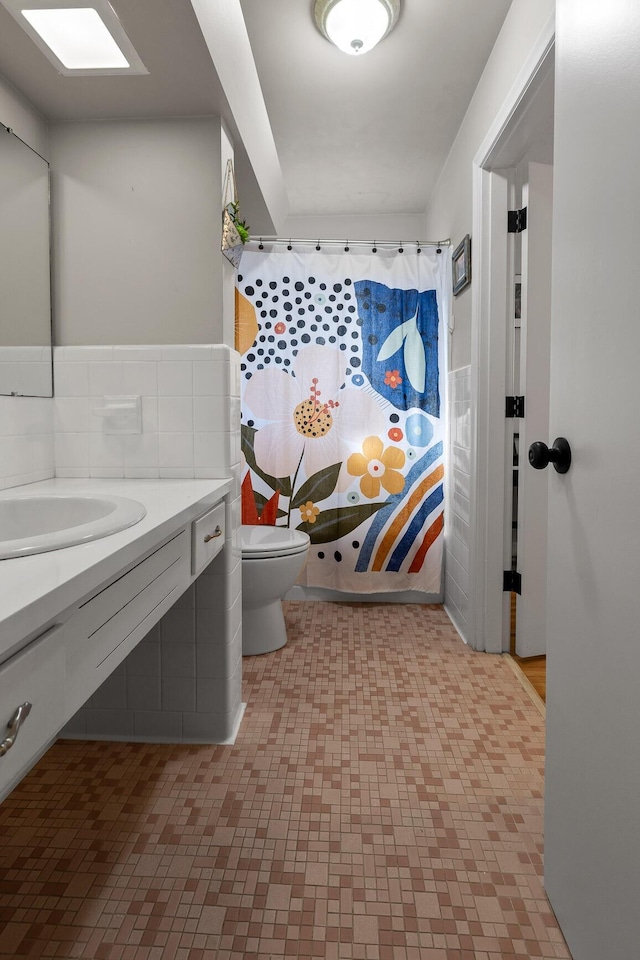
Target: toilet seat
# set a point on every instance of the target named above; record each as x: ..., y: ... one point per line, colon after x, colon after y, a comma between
x: 262, y: 542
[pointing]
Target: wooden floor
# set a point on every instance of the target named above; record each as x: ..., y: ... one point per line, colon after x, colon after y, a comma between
x: 535, y: 670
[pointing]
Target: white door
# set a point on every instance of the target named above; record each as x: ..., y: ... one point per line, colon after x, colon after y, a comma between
x: 535, y: 322
x: 592, y: 825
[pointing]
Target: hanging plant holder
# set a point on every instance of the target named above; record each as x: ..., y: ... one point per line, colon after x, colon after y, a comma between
x: 235, y: 232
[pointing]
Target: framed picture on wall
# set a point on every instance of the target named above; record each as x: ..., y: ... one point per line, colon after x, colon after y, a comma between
x: 461, y: 258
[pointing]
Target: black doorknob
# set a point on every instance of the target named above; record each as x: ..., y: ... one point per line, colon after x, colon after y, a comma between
x: 540, y: 455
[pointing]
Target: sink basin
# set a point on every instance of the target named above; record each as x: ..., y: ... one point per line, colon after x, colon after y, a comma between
x: 36, y: 524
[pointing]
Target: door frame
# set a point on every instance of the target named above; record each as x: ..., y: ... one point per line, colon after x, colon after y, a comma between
x: 490, y: 513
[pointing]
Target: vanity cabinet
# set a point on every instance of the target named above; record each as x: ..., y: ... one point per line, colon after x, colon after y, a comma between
x: 58, y: 671
x: 105, y: 627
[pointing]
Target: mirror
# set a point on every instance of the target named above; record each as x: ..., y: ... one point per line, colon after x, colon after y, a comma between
x: 25, y: 274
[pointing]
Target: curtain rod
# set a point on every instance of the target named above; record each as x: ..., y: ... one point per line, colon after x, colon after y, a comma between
x: 347, y: 243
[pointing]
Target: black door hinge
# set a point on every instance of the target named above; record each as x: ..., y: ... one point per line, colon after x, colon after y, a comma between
x: 514, y: 407
x: 512, y: 581
x: 517, y: 220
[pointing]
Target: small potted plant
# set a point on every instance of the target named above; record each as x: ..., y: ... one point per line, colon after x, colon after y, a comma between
x: 241, y: 225
x: 235, y: 231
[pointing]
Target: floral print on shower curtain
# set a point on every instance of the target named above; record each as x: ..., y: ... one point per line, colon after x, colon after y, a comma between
x: 342, y: 409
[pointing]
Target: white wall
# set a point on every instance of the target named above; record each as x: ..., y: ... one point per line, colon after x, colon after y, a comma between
x: 228, y: 270
x: 450, y: 209
x: 225, y: 33
x: 457, y: 538
x: 136, y: 213
x: 24, y: 120
x: 335, y: 227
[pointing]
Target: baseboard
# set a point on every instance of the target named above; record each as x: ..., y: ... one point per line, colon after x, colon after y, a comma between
x: 454, y: 623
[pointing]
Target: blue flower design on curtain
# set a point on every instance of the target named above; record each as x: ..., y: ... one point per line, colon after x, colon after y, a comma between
x: 400, y: 329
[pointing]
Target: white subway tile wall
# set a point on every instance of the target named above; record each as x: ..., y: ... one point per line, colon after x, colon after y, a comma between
x: 26, y: 440
x: 183, y: 682
x: 190, y: 411
x: 457, y: 532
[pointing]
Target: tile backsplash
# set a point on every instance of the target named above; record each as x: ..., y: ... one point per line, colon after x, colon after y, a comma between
x: 190, y: 397
x: 26, y: 440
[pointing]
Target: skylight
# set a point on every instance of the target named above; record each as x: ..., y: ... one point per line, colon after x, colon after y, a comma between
x: 78, y: 37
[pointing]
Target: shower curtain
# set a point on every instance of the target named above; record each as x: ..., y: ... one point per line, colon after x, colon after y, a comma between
x: 343, y: 377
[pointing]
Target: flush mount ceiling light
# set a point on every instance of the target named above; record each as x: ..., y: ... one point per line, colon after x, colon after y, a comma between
x: 356, y: 26
x: 79, y: 37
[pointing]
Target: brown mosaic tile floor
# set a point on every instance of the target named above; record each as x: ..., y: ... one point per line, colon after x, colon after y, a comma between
x: 382, y: 802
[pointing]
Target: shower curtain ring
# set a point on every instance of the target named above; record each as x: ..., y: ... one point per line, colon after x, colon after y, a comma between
x: 346, y: 249
x: 261, y: 245
x: 375, y: 247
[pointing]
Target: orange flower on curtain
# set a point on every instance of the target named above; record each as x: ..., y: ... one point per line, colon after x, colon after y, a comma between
x: 309, y: 512
x: 377, y: 467
x: 392, y: 379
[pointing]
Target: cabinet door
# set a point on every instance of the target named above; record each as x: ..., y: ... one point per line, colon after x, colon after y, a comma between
x: 36, y: 676
x: 109, y: 624
x: 207, y: 538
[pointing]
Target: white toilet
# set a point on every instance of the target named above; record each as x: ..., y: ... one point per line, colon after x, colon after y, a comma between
x: 272, y: 559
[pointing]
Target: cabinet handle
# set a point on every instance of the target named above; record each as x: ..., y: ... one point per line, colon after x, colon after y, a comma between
x: 14, y: 725
x: 212, y: 536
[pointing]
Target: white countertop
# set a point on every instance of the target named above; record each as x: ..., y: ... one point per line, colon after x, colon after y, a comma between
x: 36, y: 589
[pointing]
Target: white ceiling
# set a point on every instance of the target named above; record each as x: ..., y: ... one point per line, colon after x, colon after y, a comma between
x: 166, y: 35
x: 354, y: 135
x: 371, y: 134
